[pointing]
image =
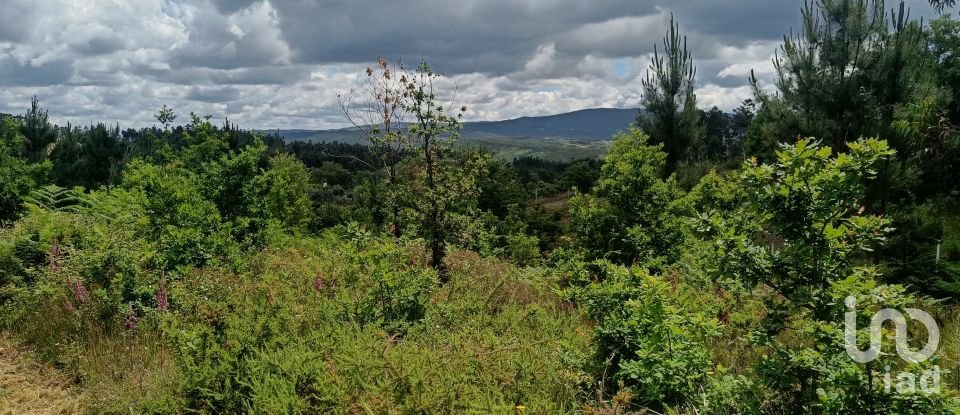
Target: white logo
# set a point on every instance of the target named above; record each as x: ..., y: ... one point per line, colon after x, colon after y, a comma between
x: 876, y: 323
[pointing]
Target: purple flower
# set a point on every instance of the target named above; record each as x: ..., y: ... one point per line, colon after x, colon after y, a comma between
x: 54, y: 257
x: 162, y: 295
x: 132, y: 319
x: 82, y: 295
x: 79, y: 292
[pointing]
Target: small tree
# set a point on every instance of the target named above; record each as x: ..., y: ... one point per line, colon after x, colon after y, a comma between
x: 285, y: 192
x: 165, y: 116
x: 801, y: 236
x: 671, y: 118
x: 629, y: 218
x: 443, y: 182
x: 380, y: 117
x: 203, y: 144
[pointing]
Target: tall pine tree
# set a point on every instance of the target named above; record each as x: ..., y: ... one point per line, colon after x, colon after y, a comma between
x: 671, y: 116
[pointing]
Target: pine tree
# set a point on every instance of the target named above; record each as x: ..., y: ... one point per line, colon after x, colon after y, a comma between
x: 845, y: 74
x: 37, y: 132
x: 671, y: 115
x: 941, y: 5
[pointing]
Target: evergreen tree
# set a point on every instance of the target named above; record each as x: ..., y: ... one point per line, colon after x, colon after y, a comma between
x: 739, y: 124
x: 716, y: 128
x: 671, y: 117
x: 848, y: 70
x: 37, y: 131
x: 941, y: 5
x: 102, y: 154
x: 17, y: 177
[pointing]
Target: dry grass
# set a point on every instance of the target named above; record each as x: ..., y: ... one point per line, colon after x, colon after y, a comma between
x: 30, y: 388
x: 560, y: 201
x: 127, y: 372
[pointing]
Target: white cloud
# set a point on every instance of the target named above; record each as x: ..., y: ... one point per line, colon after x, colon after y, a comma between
x: 278, y: 63
x: 727, y: 99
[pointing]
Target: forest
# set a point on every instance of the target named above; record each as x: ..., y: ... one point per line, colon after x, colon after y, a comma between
x: 708, y: 263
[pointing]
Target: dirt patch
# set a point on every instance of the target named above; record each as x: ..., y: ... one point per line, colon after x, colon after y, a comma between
x: 556, y: 202
x: 30, y: 388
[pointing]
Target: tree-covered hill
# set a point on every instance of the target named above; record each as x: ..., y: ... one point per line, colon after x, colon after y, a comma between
x: 706, y: 263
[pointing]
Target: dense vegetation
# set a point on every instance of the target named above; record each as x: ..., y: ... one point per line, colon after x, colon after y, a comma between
x: 701, y: 267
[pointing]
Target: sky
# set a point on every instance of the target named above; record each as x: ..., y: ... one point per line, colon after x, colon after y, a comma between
x: 282, y: 63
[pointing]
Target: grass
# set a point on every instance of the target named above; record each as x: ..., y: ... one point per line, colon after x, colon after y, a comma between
x: 260, y: 336
x: 31, y: 388
x: 128, y: 369
x: 559, y: 149
x: 377, y: 334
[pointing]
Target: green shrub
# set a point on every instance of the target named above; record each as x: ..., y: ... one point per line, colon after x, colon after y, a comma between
x: 383, y: 288
x: 652, y: 338
x: 185, y: 225
x: 630, y: 218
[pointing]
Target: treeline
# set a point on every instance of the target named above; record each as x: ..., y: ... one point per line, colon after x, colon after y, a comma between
x: 344, y: 179
x: 95, y: 155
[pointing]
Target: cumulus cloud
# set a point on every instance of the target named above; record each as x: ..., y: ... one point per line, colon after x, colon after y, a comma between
x: 281, y: 63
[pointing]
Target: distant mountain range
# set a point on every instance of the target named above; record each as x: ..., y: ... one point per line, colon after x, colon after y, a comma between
x: 586, y: 125
x: 596, y: 124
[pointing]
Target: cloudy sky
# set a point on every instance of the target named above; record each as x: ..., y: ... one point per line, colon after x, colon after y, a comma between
x: 281, y: 63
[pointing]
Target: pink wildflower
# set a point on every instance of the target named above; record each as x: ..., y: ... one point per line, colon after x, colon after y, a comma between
x: 54, y: 257
x: 163, y: 300
x: 132, y: 319
x: 80, y: 293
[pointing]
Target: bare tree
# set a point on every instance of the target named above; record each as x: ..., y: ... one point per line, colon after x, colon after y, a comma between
x: 378, y: 114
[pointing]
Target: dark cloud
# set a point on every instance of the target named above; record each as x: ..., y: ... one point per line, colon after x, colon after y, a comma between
x: 281, y: 62
x: 100, y: 45
x: 264, y: 75
x: 232, y: 6
x: 55, y: 72
x: 15, y: 24
x: 490, y: 36
x: 213, y: 95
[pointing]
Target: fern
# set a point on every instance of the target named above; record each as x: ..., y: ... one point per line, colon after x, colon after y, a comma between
x: 58, y: 199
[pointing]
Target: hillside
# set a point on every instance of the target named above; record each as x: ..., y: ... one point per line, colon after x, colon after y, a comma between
x: 559, y: 137
x: 756, y: 238
x: 595, y: 124
x: 587, y: 125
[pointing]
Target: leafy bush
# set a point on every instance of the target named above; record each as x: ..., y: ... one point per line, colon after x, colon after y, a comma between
x: 630, y: 218
x: 186, y: 226
x: 284, y: 192
x: 654, y: 341
x: 383, y: 288
x: 799, y: 240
